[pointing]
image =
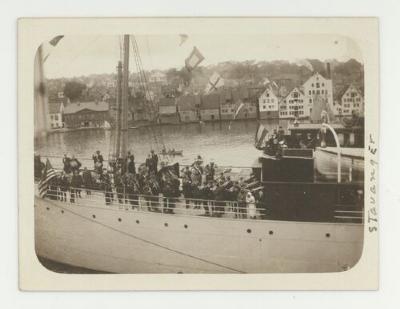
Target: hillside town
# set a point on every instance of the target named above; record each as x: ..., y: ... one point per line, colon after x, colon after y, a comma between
x: 211, y: 94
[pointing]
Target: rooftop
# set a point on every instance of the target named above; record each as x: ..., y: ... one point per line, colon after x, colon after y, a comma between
x: 188, y: 102
x: 73, y: 108
x: 54, y: 108
x: 210, y: 101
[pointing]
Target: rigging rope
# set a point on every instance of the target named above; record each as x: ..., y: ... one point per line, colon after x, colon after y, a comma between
x: 153, y: 104
x: 144, y: 82
x: 142, y: 85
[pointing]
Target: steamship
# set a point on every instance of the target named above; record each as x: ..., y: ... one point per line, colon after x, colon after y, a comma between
x: 302, y: 224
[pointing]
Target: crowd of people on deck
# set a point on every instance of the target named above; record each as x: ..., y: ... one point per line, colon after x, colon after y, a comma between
x: 275, y: 144
x: 152, y: 182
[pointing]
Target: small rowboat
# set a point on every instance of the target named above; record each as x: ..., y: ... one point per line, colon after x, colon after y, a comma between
x: 172, y: 153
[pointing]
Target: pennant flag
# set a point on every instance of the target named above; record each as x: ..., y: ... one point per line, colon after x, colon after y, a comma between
x: 184, y: 38
x: 237, y: 113
x: 194, y: 59
x: 261, y: 134
x: 56, y: 39
x: 48, y: 174
x: 215, y: 82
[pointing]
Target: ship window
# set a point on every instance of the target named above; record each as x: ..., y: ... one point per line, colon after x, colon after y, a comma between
x: 249, y: 231
x: 166, y: 224
x: 94, y: 216
x: 185, y: 226
x: 62, y: 211
x: 327, y: 235
x: 119, y: 219
x: 271, y: 232
x: 137, y: 221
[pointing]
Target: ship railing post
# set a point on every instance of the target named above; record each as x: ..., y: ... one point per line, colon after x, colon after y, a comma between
x: 339, y: 172
x: 351, y: 171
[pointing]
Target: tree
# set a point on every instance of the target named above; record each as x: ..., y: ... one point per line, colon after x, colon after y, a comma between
x: 73, y: 90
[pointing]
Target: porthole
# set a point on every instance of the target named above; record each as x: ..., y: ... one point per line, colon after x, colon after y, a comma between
x: 271, y: 232
x: 185, y: 226
x: 137, y: 221
x: 62, y: 211
x: 47, y: 208
x: 94, y: 216
x: 119, y: 219
x: 249, y: 231
x: 327, y: 235
x: 166, y: 224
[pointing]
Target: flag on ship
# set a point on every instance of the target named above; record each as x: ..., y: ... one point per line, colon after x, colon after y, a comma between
x: 48, y: 174
x: 194, y: 59
x: 215, y: 82
x: 261, y: 134
x: 183, y: 38
x: 55, y: 40
x: 237, y: 113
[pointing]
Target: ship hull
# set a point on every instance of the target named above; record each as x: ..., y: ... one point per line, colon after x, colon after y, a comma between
x: 125, y: 241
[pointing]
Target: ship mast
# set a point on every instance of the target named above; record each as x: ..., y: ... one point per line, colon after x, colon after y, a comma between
x: 121, y: 115
x: 124, y: 102
x: 117, y: 145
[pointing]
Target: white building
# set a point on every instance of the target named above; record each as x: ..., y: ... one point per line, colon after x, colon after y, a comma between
x: 294, y: 105
x: 158, y: 77
x: 268, y: 103
x: 318, y: 88
x: 351, y: 102
x: 55, y: 116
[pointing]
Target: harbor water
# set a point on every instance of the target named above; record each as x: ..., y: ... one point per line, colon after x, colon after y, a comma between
x: 216, y: 142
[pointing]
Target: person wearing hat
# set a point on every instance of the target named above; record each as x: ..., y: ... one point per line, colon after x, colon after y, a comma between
x: 98, y: 161
x: 154, y: 161
x: 251, y: 205
x: 66, y: 162
x: 130, y: 163
x: 74, y: 164
x: 107, y: 188
x: 210, y: 171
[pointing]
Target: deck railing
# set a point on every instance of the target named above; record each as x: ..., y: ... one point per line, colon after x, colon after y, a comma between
x: 157, y: 203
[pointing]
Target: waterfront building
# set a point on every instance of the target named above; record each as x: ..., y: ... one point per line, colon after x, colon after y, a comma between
x: 318, y: 89
x: 268, y: 103
x: 227, y: 105
x: 167, y: 111
x: 86, y: 114
x: 294, y: 105
x: 55, y: 116
x: 350, y: 102
x: 249, y: 109
x: 188, y: 106
x: 158, y: 77
x: 57, y: 103
x: 210, y: 107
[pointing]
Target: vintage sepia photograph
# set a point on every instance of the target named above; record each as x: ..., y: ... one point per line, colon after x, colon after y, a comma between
x: 194, y: 152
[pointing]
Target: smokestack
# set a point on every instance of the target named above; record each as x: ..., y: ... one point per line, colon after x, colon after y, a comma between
x: 328, y: 70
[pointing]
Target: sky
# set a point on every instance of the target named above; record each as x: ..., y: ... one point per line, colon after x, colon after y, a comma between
x: 83, y: 55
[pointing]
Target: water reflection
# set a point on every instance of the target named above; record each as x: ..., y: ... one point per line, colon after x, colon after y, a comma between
x: 213, y: 141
